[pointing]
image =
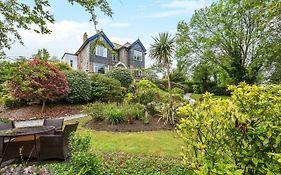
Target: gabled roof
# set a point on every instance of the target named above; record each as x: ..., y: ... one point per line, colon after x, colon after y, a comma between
x: 139, y: 42
x: 95, y: 37
x: 117, y: 46
x: 127, y: 45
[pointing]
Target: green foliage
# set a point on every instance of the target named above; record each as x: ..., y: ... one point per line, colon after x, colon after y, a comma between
x: 114, y: 114
x: 82, y: 162
x: 79, y: 86
x: 235, y: 37
x: 61, y: 66
x: 238, y: 135
x: 38, y: 80
x: 178, y: 91
x: 136, y: 110
x: 18, y: 15
x: 121, y: 74
x: 79, y: 142
x: 95, y: 110
x: 105, y: 89
x: 141, y: 165
x: 178, y: 76
x: 145, y: 84
x: 90, y: 7
x: 11, y: 102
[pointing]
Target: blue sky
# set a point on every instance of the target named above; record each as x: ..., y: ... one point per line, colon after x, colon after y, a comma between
x: 132, y: 19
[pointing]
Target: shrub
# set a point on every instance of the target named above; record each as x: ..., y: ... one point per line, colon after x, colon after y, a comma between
x: 145, y: 84
x: 121, y: 74
x: 240, y: 135
x: 61, y: 66
x: 105, y: 89
x: 114, y: 114
x: 95, y: 110
x: 79, y: 86
x: 178, y: 91
x: 135, y: 110
x: 81, y: 162
x: 38, y: 80
x: 11, y: 102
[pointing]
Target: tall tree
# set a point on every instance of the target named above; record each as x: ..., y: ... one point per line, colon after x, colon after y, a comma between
x: 241, y: 36
x: 17, y: 15
x: 162, y: 50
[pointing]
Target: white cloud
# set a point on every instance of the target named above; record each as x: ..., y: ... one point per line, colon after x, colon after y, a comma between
x: 66, y: 36
x: 180, y: 7
x: 104, y: 23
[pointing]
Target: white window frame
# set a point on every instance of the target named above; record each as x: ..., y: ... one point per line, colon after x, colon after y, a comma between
x: 101, y: 51
x: 96, y: 67
x: 71, y: 63
x: 138, y: 55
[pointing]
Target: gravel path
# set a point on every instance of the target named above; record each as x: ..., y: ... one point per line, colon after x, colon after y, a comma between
x: 188, y: 97
x: 40, y: 121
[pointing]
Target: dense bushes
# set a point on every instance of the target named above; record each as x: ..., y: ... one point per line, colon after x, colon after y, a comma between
x: 113, y: 113
x: 105, y: 89
x: 79, y: 85
x: 240, y: 135
x: 121, y: 74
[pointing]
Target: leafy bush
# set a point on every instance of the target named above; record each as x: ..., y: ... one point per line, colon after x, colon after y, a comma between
x: 136, y: 110
x: 11, y: 102
x: 79, y: 142
x: 178, y: 91
x: 95, y: 110
x: 61, y: 66
x: 82, y: 162
x: 105, y: 89
x: 114, y: 114
x: 145, y: 84
x: 79, y: 85
x: 121, y: 74
x: 37, y: 79
x: 240, y: 135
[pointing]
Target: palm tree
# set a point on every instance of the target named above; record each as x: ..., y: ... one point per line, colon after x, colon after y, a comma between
x: 162, y: 51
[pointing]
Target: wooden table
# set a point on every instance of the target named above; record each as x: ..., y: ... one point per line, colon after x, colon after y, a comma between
x: 26, y: 131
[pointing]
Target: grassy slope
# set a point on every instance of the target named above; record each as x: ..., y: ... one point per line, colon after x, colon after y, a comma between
x: 154, y: 143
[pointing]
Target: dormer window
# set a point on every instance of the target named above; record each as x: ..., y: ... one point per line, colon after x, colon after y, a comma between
x: 137, y: 55
x: 101, y: 51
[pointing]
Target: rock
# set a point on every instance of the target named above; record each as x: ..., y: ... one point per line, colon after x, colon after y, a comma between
x: 20, y: 170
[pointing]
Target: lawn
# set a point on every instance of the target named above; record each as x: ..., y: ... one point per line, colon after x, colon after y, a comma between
x: 152, y: 143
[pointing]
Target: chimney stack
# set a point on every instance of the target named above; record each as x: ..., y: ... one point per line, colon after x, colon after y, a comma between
x: 85, y: 37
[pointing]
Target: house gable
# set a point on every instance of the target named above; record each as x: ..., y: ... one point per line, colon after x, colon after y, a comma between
x: 92, y: 38
x: 138, y: 42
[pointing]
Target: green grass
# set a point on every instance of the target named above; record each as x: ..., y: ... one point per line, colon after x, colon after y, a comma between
x: 152, y: 143
x: 197, y: 96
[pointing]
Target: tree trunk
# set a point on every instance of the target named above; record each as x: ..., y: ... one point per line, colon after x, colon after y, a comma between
x: 170, y: 93
x: 43, y: 106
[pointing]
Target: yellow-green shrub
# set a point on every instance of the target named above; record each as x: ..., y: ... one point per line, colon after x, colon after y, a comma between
x: 240, y: 135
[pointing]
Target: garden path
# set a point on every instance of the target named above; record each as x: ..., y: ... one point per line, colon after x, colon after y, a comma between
x: 188, y: 97
x: 39, y: 122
